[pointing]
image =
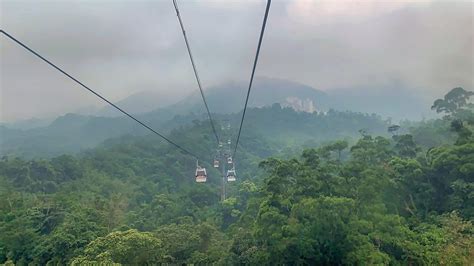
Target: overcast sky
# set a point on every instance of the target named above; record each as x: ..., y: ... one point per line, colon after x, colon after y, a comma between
x: 122, y: 47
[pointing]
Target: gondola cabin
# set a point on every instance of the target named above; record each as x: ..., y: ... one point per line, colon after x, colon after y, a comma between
x: 201, y: 175
x: 216, y: 163
x: 231, y: 175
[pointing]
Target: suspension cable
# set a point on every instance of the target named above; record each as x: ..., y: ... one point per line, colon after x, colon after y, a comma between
x: 253, y: 73
x: 96, y: 94
x: 195, y: 70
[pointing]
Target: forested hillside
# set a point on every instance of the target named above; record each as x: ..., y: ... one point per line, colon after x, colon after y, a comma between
x: 392, y: 199
x: 74, y: 133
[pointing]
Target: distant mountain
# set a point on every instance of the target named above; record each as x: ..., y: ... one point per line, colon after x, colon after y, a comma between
x: 230, y: 97
x: 141, y: 102
x: 393, y: 100
x: 72, y: 132
x: 227, y: 97
x: 29, y: 123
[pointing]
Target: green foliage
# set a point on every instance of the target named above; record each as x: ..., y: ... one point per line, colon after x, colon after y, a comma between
x: 458, y: 247
x: 368, y: 215
x: 70, y: 237
x: 406, y: 146
x: 453, y: 101
x: 129, y: 247
x: 405, y: 200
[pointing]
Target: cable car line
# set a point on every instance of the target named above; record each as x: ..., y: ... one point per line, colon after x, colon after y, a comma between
x: 96, y: 94
x: 194, y: 69
x: 253, y: 73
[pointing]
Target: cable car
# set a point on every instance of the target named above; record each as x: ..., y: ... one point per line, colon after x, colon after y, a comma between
x: 201, y: 174
x: 216, y: 163
x: 231, y: 175
x: 229, y: 160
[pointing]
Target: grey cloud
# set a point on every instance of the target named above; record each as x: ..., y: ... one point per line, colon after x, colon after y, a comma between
x: 122, y: 47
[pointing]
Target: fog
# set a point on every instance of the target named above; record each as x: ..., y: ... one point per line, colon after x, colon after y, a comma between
x: 123, y: 47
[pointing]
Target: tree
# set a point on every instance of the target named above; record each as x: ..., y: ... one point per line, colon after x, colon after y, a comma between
x: 406, y: 146
x: 179, y: 240
x: 458, y: 248
x: 451, y: 172
x: 453, y: 101
x: 129, y: 247
x: 70, y: 238
x: 337, y: 146
x: 453, y: 105
x: 393, y: 129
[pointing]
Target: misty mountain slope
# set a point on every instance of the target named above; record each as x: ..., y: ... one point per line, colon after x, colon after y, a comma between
x: 28, y: 123
x: 393, y: 100
x: 283, y: 126
x: 140, y: 102
x: 71, y: 133
x: 229, y: 97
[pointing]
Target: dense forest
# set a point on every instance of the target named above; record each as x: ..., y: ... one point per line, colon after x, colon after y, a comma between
x: 401, y: 196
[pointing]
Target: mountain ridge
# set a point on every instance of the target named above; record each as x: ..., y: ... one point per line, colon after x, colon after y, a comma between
x: 393, y: 100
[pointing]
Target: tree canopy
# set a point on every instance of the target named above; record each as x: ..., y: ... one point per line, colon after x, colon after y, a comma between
x: 379, y: 199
